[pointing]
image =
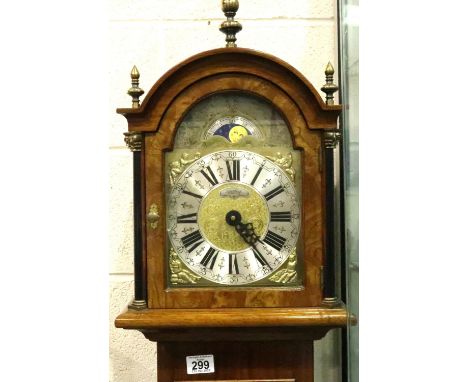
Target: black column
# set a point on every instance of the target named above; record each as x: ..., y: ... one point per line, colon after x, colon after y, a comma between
x: 140, y: 290
x: 134, y: 141
x: 329, y: 266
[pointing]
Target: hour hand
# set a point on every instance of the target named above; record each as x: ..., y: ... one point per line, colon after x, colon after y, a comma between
x: 246, y: 231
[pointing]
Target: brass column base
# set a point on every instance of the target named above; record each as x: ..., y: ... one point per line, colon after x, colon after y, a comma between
x: 332, y: 302
x: 138, y: 305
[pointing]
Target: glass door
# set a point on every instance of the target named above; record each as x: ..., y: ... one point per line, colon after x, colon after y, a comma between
x: 349, y: 94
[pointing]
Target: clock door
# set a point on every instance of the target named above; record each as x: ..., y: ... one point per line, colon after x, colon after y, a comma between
x: 233, y: 197
x: 245, y: 147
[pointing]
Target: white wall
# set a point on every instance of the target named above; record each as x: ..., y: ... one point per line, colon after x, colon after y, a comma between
x: 156, y: 35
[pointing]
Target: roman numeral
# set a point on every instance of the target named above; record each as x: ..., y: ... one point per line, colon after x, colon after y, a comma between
x: 193, y: 239
x: 276, y: 191
x: 187, y: 218
x: 256, y: 175
x: 233, y: 265
x: 274, y: 240
x: 280, y: 216
x: 209, y: 258
x: 260, y: 258
x: 192, y: 194
x: 210, y: 177
x: 234, y: 173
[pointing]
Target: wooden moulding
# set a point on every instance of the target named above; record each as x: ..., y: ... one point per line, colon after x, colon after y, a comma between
x: 214, y: 62
x: 236, y: 317
x: 234, y: 324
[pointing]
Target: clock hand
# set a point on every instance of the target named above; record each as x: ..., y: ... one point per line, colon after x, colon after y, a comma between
x: 246, y: 231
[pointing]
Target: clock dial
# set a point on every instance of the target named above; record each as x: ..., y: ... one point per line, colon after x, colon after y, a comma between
x: 260, y: 195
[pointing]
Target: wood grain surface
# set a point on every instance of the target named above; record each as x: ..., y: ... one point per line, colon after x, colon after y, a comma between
x: 242, y: 318
x: 239, y: 361
x: 306, y: 115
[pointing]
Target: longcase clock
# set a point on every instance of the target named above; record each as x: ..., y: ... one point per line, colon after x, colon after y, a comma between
x: 233, y: 211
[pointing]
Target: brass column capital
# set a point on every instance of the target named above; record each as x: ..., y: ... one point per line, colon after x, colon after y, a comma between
x: 331, y: 138
x: 134, y: 140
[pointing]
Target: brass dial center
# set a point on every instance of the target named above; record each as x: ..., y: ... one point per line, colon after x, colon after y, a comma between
x: 227, y: 197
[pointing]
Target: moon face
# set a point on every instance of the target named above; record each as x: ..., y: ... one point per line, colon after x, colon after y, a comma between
x: 233, y: 129
x: 237, y: 133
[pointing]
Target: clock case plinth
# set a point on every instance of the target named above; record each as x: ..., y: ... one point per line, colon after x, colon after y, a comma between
x: 248, y: 344
x: 219, y: 315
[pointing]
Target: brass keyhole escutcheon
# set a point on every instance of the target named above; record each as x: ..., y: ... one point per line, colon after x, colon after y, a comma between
x: 153, y: 216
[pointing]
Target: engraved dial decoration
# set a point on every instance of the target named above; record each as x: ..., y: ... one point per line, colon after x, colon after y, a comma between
x: 233, y: 128
x: 233, y: 217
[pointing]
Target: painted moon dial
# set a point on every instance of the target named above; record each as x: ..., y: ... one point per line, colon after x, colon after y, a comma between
x: 233, y: 128
x: 233, y: 180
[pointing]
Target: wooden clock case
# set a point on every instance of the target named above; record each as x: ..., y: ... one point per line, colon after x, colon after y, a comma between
x: 265, y: 333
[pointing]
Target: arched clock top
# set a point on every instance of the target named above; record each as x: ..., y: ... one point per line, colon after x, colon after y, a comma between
x: 241, y: 69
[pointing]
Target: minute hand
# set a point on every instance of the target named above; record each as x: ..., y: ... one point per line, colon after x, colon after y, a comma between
x: 247, y: 232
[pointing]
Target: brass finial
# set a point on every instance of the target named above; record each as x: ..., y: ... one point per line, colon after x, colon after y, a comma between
x: 135, y: 91
x: 230, y: 27
x: 329, y: 70
x: 329, y: 88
